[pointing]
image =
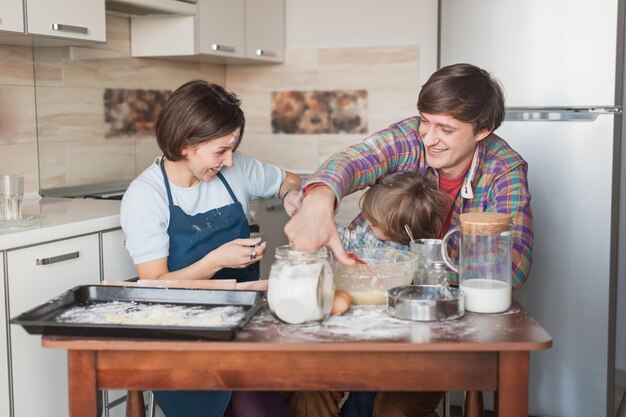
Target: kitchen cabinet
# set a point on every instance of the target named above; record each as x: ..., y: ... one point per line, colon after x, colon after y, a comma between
x: 11, y: 16
x: 265, y: 30
x: 52, y: 22
x: 117, y: 265
x: 4, y: 366
x: 36, y: 274
x: 69, y: 19
x: 223, y: 31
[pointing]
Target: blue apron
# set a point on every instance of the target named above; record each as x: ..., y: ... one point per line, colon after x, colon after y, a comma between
x: 191, y: 238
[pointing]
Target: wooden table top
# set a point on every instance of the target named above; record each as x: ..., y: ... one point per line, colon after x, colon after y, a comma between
x: 362, y: 329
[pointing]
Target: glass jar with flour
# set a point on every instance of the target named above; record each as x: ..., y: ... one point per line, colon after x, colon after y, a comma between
x: 301, y: 286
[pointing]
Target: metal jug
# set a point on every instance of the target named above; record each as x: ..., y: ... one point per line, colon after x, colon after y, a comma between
x: 484, y: 261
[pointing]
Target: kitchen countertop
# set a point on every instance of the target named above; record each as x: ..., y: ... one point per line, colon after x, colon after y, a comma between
x: 60, y: 218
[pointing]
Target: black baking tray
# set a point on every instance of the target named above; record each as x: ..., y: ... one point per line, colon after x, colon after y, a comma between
x: 41, y: 319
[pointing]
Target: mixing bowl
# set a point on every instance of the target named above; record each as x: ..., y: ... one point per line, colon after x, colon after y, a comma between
x: 385, y: 269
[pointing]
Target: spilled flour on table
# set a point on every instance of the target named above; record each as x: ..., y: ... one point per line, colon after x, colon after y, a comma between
x: 132, y: 313
x: 361, y: 322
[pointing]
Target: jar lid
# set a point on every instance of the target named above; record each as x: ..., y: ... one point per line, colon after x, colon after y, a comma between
x: 485, y: 223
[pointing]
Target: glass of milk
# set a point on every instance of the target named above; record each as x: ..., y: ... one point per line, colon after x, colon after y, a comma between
x: 484, y: 265
x: 301, y: 286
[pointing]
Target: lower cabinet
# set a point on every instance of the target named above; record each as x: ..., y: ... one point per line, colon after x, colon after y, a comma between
x: 4, y: 365
x: 35, y: 275
x: 117, y: 265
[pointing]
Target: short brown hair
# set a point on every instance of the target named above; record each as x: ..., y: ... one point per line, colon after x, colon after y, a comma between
x: 405, y: 198
x: 466, y: 93
x: 195, y: 113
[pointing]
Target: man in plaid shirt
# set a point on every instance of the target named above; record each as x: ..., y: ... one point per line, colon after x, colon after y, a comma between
x: 452, y: 140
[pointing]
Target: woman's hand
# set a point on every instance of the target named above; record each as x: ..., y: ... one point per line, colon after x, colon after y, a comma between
x: 239, y: 253
x: 292, y: 202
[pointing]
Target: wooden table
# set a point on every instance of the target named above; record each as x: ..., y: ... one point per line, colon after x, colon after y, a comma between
x: 364, y: 350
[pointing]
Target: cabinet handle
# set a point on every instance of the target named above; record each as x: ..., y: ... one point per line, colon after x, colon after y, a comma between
x: 69, y: 28
x: 222, y: 48
x: 55, y: 259
x: 263, y: 52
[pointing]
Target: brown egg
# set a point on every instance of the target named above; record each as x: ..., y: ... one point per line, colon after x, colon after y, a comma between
x: 344, y: 295
x: 340, y: 306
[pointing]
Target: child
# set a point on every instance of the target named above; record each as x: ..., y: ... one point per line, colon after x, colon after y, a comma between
x: 400, y: 199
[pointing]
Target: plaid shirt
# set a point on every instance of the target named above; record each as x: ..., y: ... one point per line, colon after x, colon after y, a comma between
x: 499, y: 183
x: 361, y: 236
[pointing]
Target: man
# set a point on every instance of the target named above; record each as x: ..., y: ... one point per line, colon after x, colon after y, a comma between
x: 451, y: 140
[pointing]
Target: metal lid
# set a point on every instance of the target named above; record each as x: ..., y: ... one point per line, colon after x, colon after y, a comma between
x: 425, y: 302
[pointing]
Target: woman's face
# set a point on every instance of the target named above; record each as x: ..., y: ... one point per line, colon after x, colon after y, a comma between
x: 205, y: 160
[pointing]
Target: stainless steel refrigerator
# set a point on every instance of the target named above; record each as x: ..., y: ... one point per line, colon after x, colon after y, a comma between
x: 561, y: 64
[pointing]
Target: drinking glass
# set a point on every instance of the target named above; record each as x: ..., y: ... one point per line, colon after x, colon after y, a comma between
x: 11, y: 195
x: 427, y: 251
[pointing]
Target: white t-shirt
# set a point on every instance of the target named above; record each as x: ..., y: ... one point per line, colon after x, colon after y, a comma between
x: 145, y: 211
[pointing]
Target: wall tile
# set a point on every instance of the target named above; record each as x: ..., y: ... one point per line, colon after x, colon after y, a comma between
x: 390, y: 106
x: 16, y: 65
x: 169, y: 75
x: 146, y: 150
x: 287, y: 151
x: 369, y: 68
x: 52, y: 167
x: 70, y: 114
x: 299, y: 71
x: 49, y: 65
x: 21, y: 159
x: 17, y: 118
x: 99, y: 161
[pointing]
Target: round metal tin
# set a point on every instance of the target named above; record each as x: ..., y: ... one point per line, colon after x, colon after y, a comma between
x: 425, y: 302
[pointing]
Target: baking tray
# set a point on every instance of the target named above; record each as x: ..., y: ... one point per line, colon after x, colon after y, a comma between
x: 43, y: 318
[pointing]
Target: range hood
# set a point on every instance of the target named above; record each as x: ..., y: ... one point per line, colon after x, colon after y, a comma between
x: 152, y: 7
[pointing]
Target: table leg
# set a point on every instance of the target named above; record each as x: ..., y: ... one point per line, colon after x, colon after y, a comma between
x: 82, y: 383
x: 135, y: 406
x: 473, y: 404
x: 511, y: 398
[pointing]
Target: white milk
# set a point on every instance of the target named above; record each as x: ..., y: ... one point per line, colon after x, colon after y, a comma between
x: 486, y: 295
x: 292, y: 293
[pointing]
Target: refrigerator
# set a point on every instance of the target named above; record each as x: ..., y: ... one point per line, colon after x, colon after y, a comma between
x: 561, y: 65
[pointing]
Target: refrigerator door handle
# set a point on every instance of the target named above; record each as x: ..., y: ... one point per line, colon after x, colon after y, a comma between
x: 558, y: 114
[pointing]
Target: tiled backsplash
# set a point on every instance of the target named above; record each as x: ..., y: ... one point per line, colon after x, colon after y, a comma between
x: 61, y: 106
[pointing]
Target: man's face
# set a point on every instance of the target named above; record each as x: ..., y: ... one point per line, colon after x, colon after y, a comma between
x: 449, y: 143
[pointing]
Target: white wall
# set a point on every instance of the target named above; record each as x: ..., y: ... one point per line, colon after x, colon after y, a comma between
x: 353, y: 23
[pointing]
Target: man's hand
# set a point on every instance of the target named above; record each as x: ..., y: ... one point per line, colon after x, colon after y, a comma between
x: 314, y: 225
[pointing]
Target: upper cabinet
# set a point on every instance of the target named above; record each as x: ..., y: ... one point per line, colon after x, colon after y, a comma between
x: 53, y: 22
x: 11, y: 16
x: 221, y: 29
x: 228, y: 31
x: 70, y: 19
x: 265, y: 30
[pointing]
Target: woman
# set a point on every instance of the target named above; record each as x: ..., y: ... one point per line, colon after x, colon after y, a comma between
x: 185, y: 216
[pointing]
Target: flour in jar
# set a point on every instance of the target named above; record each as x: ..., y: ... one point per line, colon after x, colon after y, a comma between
x: 300, y: 293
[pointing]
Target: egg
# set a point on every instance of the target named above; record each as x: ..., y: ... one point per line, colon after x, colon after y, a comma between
x: 344, y: 295
x: 341, y: 303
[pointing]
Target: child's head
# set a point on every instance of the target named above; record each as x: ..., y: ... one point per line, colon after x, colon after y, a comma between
x: 195, y: 113
x: 405, y: 198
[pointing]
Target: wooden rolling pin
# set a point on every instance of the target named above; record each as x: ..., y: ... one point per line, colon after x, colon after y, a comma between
x: 206, y: 284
